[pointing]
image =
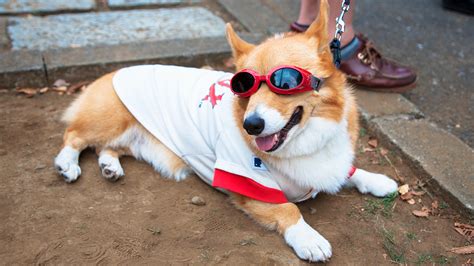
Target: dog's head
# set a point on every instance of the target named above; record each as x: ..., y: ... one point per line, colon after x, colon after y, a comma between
x: 294, y: 125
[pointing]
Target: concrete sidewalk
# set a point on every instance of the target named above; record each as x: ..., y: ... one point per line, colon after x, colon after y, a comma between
x: 80, y: 40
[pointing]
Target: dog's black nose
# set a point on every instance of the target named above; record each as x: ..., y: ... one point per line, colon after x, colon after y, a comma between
x: 254, y: 124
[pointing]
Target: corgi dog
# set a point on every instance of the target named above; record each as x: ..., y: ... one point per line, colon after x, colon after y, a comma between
x: 280, y: 130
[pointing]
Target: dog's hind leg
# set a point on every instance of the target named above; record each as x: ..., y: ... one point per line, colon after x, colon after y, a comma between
x: 67, y: 161
x: 146, y: 147
x: 110, y: 165
x: 376, y: 184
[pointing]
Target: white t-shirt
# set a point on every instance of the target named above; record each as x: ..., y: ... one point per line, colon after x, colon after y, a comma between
x: 190, y: 111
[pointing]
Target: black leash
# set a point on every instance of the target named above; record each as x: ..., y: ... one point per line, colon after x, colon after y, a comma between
x: 335, y: 45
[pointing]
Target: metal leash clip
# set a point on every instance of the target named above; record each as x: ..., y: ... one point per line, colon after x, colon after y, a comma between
x: 335, y: 45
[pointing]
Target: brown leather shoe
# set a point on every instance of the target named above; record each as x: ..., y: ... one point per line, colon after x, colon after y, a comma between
x: 368, y: 69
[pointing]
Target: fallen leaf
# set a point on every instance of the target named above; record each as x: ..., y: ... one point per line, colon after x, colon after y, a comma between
x: 383, y: 151
x: 468, y: 262
x: 77, y: 86
x: 407, y: 196
x: 424, y: 212
x: 435, y: 205
x: 403, y: 189
x: 369, y: 150
x: 44, y: 90
x: 411, y: 201
x: 28, y: 92
x: 60, y: 89
x: 60, y: 83
x: 463, y: 250
x: 464, y: 225
x: 418, y: 193
x: 373, y: 142
x: 465, y: 230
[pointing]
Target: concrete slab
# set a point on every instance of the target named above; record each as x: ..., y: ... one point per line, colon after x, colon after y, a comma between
x: 21, y: 69
x: 87, y: 63
x: 38, y: 6
x: 287, y: 9
x: 111, y: 28
x: 376, y: 104
x: 442, y: 156
x: 255, y: 16
x: 90, y: 62
x: 137, y: 3
x: 4, y: 41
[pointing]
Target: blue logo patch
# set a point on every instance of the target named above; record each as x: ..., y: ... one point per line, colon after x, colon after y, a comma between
x: 258, y: 164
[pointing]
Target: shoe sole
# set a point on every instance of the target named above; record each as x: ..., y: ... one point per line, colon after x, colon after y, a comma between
x: 401, y: 89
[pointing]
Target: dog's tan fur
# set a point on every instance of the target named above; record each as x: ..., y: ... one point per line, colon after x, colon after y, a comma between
x: 98, y: 117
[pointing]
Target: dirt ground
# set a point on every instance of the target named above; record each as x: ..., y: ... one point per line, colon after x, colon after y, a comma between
x: 145, y: 219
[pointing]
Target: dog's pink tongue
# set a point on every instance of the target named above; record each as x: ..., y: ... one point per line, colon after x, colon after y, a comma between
x: 266, y: 143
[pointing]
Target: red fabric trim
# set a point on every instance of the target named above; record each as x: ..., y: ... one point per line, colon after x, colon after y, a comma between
x: 247, y: 187
x: 351, y: 172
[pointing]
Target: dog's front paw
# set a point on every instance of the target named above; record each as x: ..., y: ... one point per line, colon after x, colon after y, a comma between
x: 69, y: 170
x: 376, y: 184
x: 307, y: 242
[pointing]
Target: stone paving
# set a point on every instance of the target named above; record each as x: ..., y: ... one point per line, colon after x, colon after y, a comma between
x: 35, y: 6
x: 109, y: 28
x: 138, y: 3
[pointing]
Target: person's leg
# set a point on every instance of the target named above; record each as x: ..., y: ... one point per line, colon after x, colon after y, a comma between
x: 361, y: 61
x: 309, y: 10
x: 334, y: 12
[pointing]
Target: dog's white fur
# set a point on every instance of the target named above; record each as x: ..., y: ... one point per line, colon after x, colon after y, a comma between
x: 110, y: 166
x: 274, y: 121
x: 307, y: 242
x: 67, y: 164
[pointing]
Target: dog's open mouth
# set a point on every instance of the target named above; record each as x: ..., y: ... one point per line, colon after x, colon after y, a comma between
x: 272, y: 142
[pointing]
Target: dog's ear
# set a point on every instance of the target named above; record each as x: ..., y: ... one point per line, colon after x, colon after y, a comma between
x: 239, y: 46
x: 318, y: 30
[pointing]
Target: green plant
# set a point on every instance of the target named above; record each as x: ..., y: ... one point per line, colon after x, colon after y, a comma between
x: 422, y: 258
x: 411, y: 236
x: 394, y: 252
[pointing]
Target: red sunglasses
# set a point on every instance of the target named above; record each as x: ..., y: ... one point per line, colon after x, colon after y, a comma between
x: 281, y: 80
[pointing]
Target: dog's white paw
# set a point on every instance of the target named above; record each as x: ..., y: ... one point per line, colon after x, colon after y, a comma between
x: 110, y: 167
x: 376, y: 184
x: 66, y: 163
x: 307, y: 242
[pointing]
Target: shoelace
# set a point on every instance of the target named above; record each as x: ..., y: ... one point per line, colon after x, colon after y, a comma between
x: 370, y: 55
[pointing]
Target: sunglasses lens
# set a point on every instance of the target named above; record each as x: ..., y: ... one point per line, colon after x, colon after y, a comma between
x: 286, y: 78
x: 242, y: 82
